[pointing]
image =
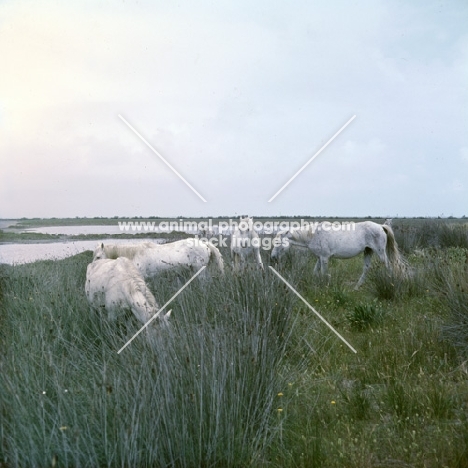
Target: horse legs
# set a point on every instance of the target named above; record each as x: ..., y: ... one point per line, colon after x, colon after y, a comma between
x: 323, y: 267
x: 380, y: 250
x: 367, y: 262
x: 239, y: 262
x: 317, y: 267
x: 259, y: 258
x: 204, y: 275
x: 236, y: 261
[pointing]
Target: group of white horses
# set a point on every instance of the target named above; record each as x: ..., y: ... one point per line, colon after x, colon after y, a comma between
x: 115, y: 280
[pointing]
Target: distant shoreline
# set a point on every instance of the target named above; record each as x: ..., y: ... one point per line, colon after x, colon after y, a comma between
x: 29, y: 223
x: 38, y: 238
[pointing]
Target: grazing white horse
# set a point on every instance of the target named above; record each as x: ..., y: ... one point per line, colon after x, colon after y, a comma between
x: 113, y: 251
x: 367, y: 237
x: 245, y: 242
x: 117, y: 286
x: 208, y: 232
x: 151, y: 258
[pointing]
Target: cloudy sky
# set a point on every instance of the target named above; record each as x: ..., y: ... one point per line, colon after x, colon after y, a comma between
x: 236, y: 96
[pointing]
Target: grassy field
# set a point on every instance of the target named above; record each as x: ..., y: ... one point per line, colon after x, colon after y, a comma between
x: 245, y: 375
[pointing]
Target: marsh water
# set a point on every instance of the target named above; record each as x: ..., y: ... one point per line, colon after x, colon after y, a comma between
x: 16, y: 253
x: 77, y: 230
x: 13, y: 254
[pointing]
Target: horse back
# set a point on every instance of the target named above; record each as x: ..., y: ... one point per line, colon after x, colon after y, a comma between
x: 347, y: 243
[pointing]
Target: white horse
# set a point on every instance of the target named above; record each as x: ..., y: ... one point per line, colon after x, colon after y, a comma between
x: 245, y: 242
x: 151, y: 258
x: 323, y: 242
x: 117, y: 286
x: 208, y: 232
x: 113, y: 251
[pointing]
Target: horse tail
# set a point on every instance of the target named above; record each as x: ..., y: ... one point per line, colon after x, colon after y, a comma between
x: 215, y: 256
x: 397, y: 262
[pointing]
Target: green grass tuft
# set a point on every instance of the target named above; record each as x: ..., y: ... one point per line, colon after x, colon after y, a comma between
x: 364, y: 316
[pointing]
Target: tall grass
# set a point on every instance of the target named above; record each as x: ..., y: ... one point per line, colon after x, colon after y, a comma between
x: 392, y: 285
x: 450, y: 281
x: 431, y: 233
x: 201, y: 394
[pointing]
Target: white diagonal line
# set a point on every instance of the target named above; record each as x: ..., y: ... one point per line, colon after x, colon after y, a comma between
x: 312, y: 309
x: 312, y: 158
x: 162, y: 158
x: 161, y: 309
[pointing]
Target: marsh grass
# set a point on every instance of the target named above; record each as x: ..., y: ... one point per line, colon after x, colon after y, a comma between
x: 245, y: 375
x: 200, y: 393
x: 392, y: 285
x: 356, y: 395
x: 431, y: 233
x: 450, y: 280
x: 400, y: 399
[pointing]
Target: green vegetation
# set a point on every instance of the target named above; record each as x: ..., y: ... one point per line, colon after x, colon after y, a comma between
x: 24, y: 237
x: 364, y: 316
x: 8, y: 236
x: 437, y: 233
x: 245, y: 375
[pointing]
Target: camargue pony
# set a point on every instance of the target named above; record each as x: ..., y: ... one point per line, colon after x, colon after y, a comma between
x: 113, y: 251
x: 117, y: 286
x: 245, y: 242
x: 151, y: 258
x: 208, y: 232
x: 324, y: 243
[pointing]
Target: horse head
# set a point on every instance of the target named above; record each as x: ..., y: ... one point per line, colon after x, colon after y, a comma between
x: 99, y: 252
x: 388, y: 222
x: 281, y: 245
x: 245, y: 224
x: 164, y: 319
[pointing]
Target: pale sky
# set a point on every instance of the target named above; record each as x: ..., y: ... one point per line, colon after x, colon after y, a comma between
x: 237, y: 96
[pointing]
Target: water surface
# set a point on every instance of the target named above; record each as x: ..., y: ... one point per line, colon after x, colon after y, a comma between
x: 25, y: 253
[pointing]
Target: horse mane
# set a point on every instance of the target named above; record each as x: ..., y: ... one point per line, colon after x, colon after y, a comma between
x: 139, y: 286
x: 302, y: 235
x: 126, y: 250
